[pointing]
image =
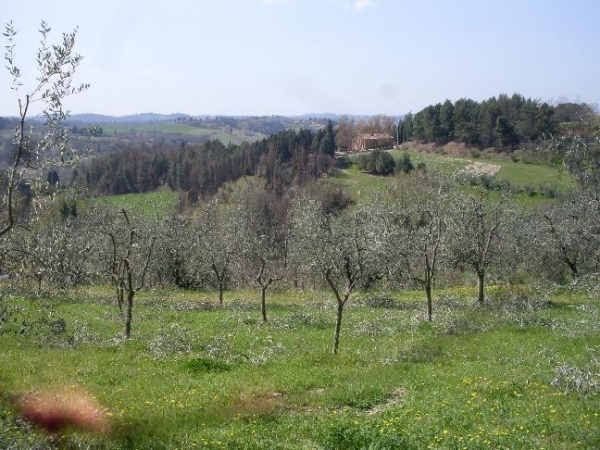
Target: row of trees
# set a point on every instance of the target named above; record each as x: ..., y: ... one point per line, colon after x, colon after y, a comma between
x: 421, y: 232
x: 501, y: 121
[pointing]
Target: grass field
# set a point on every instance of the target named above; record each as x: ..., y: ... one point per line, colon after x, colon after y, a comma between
x: 151, y: 203
x: 169, y: 128
x: 522, y: 373
x: 226, y: 135
x: 537, y: 178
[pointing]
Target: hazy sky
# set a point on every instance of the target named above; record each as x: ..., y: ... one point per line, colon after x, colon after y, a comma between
x: 263, y: 57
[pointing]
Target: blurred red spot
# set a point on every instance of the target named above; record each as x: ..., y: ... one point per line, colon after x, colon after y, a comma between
x: 57, y: 410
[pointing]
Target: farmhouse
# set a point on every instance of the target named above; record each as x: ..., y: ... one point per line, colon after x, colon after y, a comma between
x: 364, y: 142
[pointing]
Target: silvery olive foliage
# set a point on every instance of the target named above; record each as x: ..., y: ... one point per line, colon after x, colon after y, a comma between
x: 42, y: 144
x: 217, y: 237
x: 424, y: 232
x: 347, y: 252
x: 261, y: 236
x: 477, y: 234
x: 264, y: 244
x: 568, y: 233
x: 580, y: 156
x: 58, y: 253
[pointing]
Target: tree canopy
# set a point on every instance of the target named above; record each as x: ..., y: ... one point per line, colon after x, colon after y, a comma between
x: 498, y: 121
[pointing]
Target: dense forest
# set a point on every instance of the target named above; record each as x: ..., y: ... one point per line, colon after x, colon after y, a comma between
x: 501, y: 121
x: 285, y: 158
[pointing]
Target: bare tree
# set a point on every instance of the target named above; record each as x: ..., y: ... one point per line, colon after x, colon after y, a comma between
x: 346, y: 131
x: 125, y: 254
x: 380, y: 124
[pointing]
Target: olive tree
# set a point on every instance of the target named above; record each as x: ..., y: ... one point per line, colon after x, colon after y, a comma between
x: 422, y: 227
x: 264, y: 242
x: 345, y: 251
x: 125, y: 250
x: 35, y: 148
x: 475, y: 233
x: 173, y: 252
x: 57, y: 251
x: 216, y: 242
x: 264, y: 261
x: 580, y: 156
x: 569, y: 232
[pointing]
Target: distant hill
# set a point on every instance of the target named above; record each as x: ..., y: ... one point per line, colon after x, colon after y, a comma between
x: 132, y: 118
x: 335, y: 117
x: 154, y: 117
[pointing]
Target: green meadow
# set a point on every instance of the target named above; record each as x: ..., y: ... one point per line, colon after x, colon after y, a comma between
x: 151, y: 203
x: 534, y: 183
x: 224, y: 134
x: 521, y: 372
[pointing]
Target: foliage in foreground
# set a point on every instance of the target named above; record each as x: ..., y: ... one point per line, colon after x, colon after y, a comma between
x: 521, y: 372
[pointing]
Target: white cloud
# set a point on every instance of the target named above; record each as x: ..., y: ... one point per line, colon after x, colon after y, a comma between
x: 362, y: 4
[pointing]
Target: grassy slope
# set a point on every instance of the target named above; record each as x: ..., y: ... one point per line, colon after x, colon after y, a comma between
x: 151, y: 203
x: 518, y: 174
x: 471, y: 379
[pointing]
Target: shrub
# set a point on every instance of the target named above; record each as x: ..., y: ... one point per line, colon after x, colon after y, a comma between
x: 171, y: 339
x: 516, y: 299
x: 384, y: 163
x: 206, y: 365
x: 583, y: 381
x: 365, y: 163
x: 548, y: 190
x: 378, y: 302
x: 406, y: 165
x: 475, y: 152
x: 530, y: 190
x: 311, y: 320
x: 377, y: 162
x: 334, y: 199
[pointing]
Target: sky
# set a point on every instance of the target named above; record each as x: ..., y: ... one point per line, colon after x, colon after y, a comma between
x: 291, y: 57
